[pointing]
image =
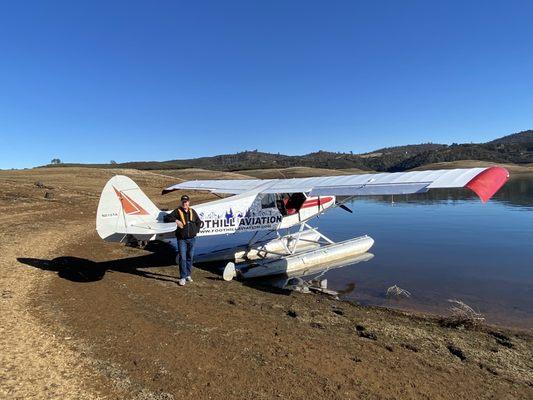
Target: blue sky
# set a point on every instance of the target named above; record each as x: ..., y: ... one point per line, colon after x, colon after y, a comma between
x: 163, y: 80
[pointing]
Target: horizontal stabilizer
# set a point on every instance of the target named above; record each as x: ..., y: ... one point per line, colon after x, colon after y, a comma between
x: 149, y: 228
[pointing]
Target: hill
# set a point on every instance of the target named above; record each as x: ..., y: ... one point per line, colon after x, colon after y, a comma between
x: 297, y: 172
x: 512, y: 168
x: 516, y: 148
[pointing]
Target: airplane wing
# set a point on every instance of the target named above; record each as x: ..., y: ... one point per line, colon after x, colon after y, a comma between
x: 231, y: 186
x: 485, y: 182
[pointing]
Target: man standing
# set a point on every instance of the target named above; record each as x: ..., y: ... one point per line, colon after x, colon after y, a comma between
x: 187, y: 226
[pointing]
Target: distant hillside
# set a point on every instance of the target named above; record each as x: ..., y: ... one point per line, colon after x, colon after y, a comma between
x: 516, y: 148
x: 525, y: 137
x: 388, y: 159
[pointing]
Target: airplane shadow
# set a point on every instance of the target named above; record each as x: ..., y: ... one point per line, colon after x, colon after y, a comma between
x: 82, y: 270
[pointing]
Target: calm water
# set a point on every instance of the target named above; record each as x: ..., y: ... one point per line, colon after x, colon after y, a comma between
x: 443, y: 245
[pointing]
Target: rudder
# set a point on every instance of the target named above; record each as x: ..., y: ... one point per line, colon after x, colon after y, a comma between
x: 122, y: 205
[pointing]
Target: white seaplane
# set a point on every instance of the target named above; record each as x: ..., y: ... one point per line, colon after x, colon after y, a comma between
x: 272, y: 206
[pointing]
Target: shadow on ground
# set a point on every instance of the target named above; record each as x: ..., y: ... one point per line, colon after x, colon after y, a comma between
x: 77, y: 269
x: 82, y: 270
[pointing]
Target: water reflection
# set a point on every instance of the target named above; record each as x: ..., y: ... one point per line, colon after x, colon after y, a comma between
x: 316, y: 271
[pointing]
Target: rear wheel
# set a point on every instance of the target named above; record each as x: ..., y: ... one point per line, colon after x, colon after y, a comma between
x: 229, y: 272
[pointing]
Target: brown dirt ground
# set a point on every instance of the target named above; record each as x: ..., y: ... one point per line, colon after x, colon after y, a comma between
x: 80, y: 318
x: 512, y: 168
x: 298, y: 172
x: 198, y: 173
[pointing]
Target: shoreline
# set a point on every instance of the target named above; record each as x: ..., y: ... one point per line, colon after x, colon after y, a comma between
x: 256, y: 318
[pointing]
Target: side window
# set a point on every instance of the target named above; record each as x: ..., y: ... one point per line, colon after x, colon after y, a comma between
x: 268, y: 201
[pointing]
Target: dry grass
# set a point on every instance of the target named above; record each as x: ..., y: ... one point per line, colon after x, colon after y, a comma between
x: 198, y: 173
x: 512, y: 168
x: 298, y: 172
x: 462, y: 315
x: 396, y: 292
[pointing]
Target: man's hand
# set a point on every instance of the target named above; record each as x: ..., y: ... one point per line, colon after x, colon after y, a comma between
x: 180, y: 224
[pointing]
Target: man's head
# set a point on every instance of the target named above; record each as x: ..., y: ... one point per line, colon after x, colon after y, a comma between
x: 185, y: 201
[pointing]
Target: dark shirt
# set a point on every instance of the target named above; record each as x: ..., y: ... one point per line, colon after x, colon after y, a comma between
x: 192, y: 223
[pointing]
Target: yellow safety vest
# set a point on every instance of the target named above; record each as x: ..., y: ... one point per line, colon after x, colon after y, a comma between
x: 182, y: 215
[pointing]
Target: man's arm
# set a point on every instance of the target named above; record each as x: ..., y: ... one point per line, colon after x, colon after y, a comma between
x: 172, y: 217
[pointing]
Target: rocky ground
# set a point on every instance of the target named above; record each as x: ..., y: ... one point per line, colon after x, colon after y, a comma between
x: 80, y: 318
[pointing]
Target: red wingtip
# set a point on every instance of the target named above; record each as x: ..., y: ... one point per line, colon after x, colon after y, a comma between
x: 488, y: 182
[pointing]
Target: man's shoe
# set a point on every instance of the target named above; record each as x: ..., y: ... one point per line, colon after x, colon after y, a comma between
x: 181, y: 282
x: 189, y: 279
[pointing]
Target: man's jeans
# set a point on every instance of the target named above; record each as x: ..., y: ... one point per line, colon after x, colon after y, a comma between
x: 186, y: 253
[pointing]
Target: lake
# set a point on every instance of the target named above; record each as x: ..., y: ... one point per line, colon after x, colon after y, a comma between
x: 441, y: 245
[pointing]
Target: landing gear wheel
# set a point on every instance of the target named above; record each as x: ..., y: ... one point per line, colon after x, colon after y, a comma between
x: 229, y: 272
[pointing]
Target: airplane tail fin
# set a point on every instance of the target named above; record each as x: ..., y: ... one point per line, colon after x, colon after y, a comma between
x: 125, y: 210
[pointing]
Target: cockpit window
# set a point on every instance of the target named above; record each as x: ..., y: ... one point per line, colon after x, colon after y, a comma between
x: 289, y: 203
x: 268, y: 200
x: 296, y: 200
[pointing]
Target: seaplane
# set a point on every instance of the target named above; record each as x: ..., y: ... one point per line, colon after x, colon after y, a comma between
x: 276, y: 214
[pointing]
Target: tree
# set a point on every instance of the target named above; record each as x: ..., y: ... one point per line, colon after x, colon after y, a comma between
x: 112, y: 162
x: 55, y: 161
